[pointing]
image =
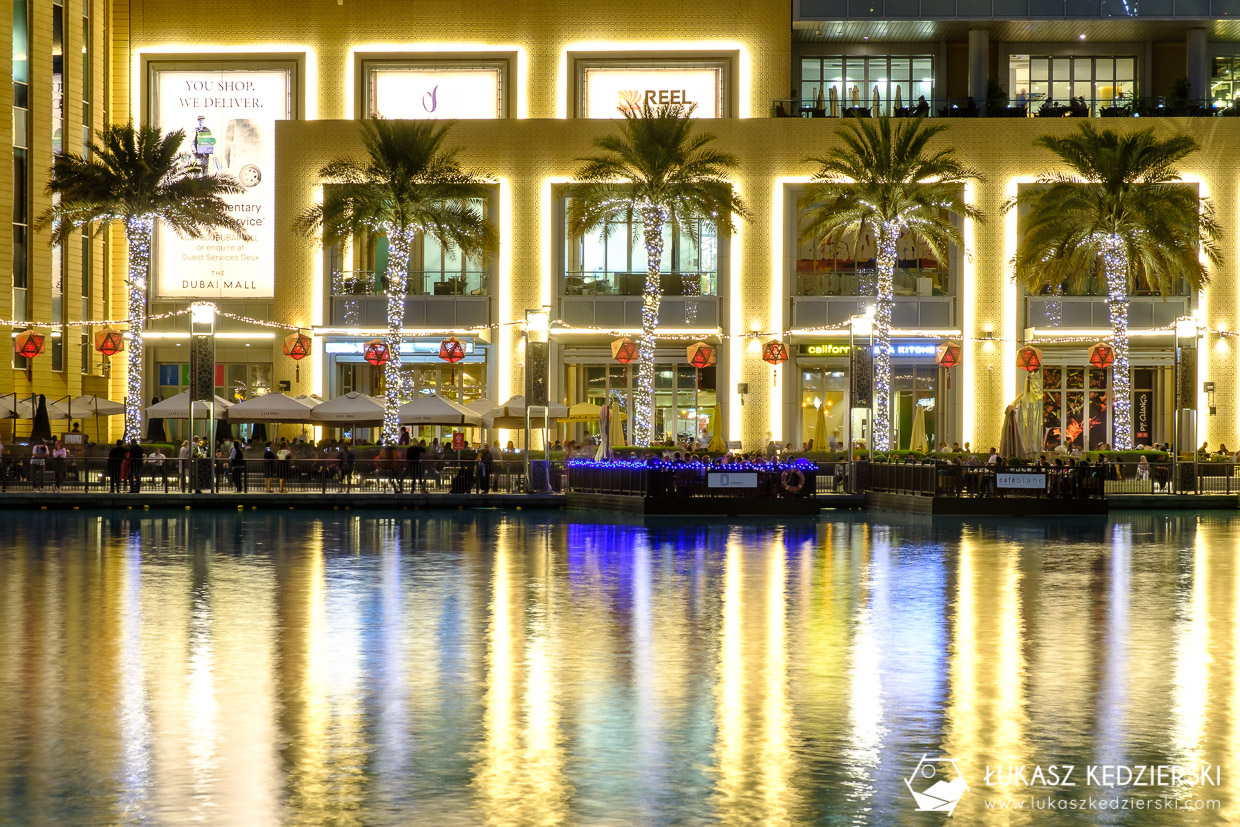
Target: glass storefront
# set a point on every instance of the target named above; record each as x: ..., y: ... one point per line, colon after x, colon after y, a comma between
x: 1100, y: 81
x: 684, y: 397
x: 612, y: 261
x: 1076, y: 406
x: 909, y: 76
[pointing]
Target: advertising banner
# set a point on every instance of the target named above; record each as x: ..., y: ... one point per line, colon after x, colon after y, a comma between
x: 425, y: 93
x: 229, y: 121
x: 1142, y: 416
x: 609, y: 91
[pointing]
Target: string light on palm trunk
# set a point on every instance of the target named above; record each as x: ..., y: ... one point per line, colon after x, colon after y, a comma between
x: 888, y: 234
x: 138, y: 233
x: 1115, y: 264
x: 654, y: 217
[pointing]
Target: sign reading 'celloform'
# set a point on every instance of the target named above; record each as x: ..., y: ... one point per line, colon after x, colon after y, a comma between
x: 421, y: 94
x: 609, y: 91
x: 229, y: 121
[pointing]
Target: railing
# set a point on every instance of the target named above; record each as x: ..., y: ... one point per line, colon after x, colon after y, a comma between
x: 313, y: 474
x: 1159, y: 477
x: 906, y: 281
x: 601, y: 283
x: 419, y: 283
x: 1075, y: 10
x: 633, y: 479
x: 947, y: 480
x: 1031, y: 108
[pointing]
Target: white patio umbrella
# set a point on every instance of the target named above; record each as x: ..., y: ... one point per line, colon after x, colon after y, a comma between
x: 435, y: 410
x: 23, y: 407
x: 272, y: 407
x: 91, y: 405
x: 356, y: 408
x: 511, y: 414
x: 177, y: 407
x: 482, y: 406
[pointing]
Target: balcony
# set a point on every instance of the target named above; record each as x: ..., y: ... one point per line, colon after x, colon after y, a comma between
x: 810, y: 11
x: 613, y: 300
x: 962, y: 108
x: 433, y: 299
x: 908, y: 312
x: 1090, y: 312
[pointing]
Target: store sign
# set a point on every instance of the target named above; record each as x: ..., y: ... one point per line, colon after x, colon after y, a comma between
x: 900, y: 350
x: 745, y: 479
x: 406, y: 348
x: 1021, y: 481
x: 426, y: 93
x: 609, y: 92
x: 824, y: 350
x: 1142, y: 416
x: 229, y: 121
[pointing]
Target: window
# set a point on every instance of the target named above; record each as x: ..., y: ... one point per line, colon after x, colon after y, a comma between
x: 59, y: 262
x: 1225, y: 84
x: 854, y: 78
x: 1075, y: 407
x: 612, y: 261
x: 436, y: 89
x: 21, y: 178
x: 684, y: 398
x: 1057, y: 81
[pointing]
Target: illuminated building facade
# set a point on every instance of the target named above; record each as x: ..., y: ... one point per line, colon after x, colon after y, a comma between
x: 278, y: 91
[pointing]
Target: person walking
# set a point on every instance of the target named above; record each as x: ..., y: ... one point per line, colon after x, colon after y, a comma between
x: 236, y: 464
x: 135, y: 467
x: 38, y: 465
x: 60, y: 464
x: 116, y: 465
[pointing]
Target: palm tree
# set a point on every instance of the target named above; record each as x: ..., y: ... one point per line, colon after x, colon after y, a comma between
x: 1119, y: 213
x: 409, y: 185
x: 659, y: 172
x: 135, y: 176
x: 884, y: 180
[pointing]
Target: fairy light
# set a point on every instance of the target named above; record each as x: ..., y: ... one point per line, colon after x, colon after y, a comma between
x: 889, y: 232
x: 654, y: 216
x: 1115, y: 262
x: 399, y: 248
x: 138, y: 233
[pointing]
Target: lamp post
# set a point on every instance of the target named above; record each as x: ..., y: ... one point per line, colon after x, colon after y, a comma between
x: 1184, y: 417
x: 537, y: 379
x: 863, y: 324
x: 202, y: 385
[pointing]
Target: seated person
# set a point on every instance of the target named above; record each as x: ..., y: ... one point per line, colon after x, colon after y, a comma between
x: 922, y: 109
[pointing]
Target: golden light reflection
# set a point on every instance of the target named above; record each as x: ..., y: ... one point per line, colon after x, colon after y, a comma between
x: 1191, y: 690
x: 780, y: 798
x: 960, y: 732
x: 730, y: 691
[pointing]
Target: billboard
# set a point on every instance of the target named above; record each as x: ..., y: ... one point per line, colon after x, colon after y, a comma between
x: 610, y: 90
x: 229, y: 120
x: 429, y: 93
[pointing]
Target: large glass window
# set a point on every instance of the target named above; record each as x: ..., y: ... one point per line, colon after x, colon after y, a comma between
x: 21, y: 161
x: 1225, y: 84
x: 1076, y: 409
x: 612, y: 261
x: 854, y: 80
x: 684, y: 398
x: 1100, y: 81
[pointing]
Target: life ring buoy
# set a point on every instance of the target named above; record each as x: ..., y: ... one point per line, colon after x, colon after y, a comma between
x: 792, y: 480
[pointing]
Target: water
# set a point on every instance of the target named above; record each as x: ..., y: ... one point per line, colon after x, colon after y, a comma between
x: 509, y: 669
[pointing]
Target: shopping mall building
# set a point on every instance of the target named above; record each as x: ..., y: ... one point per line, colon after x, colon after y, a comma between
x: 281, y: 85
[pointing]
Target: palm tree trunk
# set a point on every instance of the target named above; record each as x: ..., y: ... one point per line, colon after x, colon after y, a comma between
x: 1115, y: 263
x: 138, y: 232
x: 888, y: 234
x: 399, y: 249
x: 653, y: 219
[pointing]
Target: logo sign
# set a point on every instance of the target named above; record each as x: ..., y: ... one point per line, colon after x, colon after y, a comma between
x: 1026, y: 481
x: 458, y: 441
x: 734, y: 445
x: 861, y: 377
x: 425, y: 93
x: 229, y: 121
x: 745, y: 479
x: 936, y: 784
x: 824, y: 350
x: 1142, y: 413
x: 611, y: 91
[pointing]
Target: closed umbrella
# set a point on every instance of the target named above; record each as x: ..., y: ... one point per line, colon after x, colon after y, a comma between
x: 1009, y: 440
x: 819, y: 102
x: 856, y: 96
x: 615, y: 429
x: 177, y: 407
x: 604, y: 433
x: 717, y: 443
x: 917, y: 439
x: 899, y: 99
x: 42, y: 429
x: 876, y: 102
x: 820, y: 429
x: 835, y: 102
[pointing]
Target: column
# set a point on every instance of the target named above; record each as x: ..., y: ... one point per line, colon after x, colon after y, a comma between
x: 979, y: 63
x: 1197, y: 67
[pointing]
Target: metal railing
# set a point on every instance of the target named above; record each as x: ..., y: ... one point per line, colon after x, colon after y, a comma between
x: 419, y: 283
x: 605, y: 283
x: 948, y: 480
x: 693, y: 481
x: 1012, y: 108
x: 306, y: 474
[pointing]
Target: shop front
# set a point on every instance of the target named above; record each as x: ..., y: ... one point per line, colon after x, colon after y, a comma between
x: 923, y: 397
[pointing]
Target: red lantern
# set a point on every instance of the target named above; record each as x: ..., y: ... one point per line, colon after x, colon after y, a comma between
x: 624, y: 350
x: 29, y: 344
x: 376, y: 352
x: 948, y: 354
x: 774, y: 352
x: 1101, y: 355
x: 451, y: 350
x: 297, y: 346
x: 701, y: 355
x: 1029, y: 358
x: 109, y: 341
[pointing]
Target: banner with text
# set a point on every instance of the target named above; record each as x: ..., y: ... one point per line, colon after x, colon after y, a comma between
x: 229, y: 121
x: 421, y: 94
x: 610, y: 91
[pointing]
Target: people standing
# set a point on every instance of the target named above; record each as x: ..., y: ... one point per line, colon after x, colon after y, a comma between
x: 135, y: 467
x: 413, y: 458
x: 348, y: 462
x: 60, y: 464
x: 38, y: 465
x: 284, y: 464
x: 236, y: 464
x: 183, y: 464
x: 486, y: 462
x: 269, y: 465
x: 116, y: 465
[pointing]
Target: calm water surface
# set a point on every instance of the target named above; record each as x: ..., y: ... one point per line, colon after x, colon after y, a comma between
x: 508, y: 669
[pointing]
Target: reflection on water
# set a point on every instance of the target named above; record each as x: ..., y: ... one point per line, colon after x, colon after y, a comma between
x: 511, y: 670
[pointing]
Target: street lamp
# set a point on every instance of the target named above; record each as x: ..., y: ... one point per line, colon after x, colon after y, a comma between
x: 202, y: 383
x: 537, y: 379
x: 863, y: 324
x: 1185, y: 415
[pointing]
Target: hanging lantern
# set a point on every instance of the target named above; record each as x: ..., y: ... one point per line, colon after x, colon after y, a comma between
x: 701, y: 355
x: 297, y: 346
x: 948, y: 354
x: 774, y: 352
x: 451, y: 350
x: 624, y: 350
x: 1101, y: 355
x: 376, y: 352
x: 1029, y: 358
x: 109, y: 341
x: 29, y: 344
